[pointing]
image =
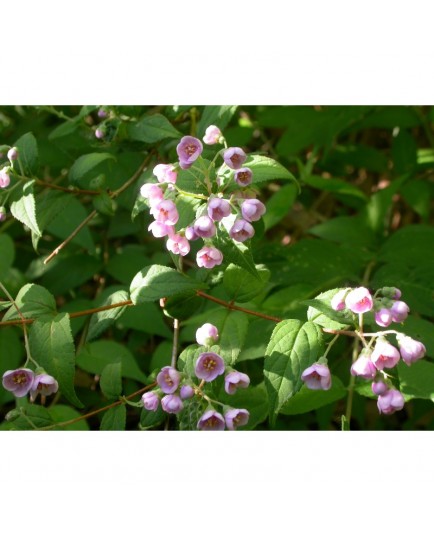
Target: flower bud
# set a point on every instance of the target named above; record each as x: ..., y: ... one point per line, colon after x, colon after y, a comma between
x: 165, y: 173
x: 252, y: 209
x: 186, y: 392
x: 338, y: 300
x: 102, y: 114
x: 172, y: 404
x: 99, y: 133
x: 363, y: 366
x: 13, y: 154
x: 207, y: 335
x: 212, y: 135
x: 383, y: 317
x: 4, y: 177
x: 190, y: 234
x: 390, y: 402
x: 153, y: 193
x: 151, y: 401
x: 399, y: 311
x: 379, y: 388
x: 410, y: 349
x: 204, y: 227
x: 317, y: 377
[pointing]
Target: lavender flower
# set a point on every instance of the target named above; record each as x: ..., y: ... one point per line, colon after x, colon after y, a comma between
x: 399, y: 311
x: 390, y: 402
x: 18, y: 381
x: 218, y: 208
x: 13, y: 154
x: 241, y: 230
x: 234, y: 157
x: 384, y: 355
x: 172, y: 404
x: 165, y: 173
x: 204, y: 227
x: 165, y: 212
x: 168, y: 379
x: 236, y: 417
x: 379, y: 388
x: 252, y: 209
x: 243, y: 176
x: 189, y: 149
x: 208, y: 366
x: 212, y: 135
x: 208, y: 257
x: 151, y: 401
x: 211, y: 420
x: 317, y: 377
x: 178, y: 245
x: 364, y: 367
x: 236, y: 379
x: 410, y: 349
x: 383, y: 317
x: 186, y: 392
x: 43, y: 384
x: 359, y: 300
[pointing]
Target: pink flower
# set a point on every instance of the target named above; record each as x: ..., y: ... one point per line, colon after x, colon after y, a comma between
x: 364, y: 367
x: 159, y: 229
x: 207, y: 335
x: 243, y: 177
x: 189, y: 149
x: 383, y: 317
x: 252, y: 209
x: 168, y: 380
x: 153, y: 193
x: 165, y: 212
x: 150, y: 401
x: 208, y: 366
x: 384, y: 355
x: 43, y: 384
x: 234, y: 380
x: 338, y: 300
x: 172, y: 404
x: 99, y: 133
x: 4, y: 177
x: 317, y: 377
x: 186, y: 392
x: 410, y: 349
x: 190, y: 234
x: 234, y: 157
x: 241, y: 230
x: 218, y: 208
x: 399, y: 311
x: 211, y: 420
x: 204, y: 227
x: 391, y: 401
x: 18, y: 381
x: 236, y: 417
x: 165, y: 173
x: 208, y: 257
x: 359, y: 300
x: 13, y: 154
x: 212, y: 135
x: 2, y: 213
x: 178, y: 245
x: 379, y: 388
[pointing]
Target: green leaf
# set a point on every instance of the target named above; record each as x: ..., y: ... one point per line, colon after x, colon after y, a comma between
x: 11, y: 352
x: 104, y: 204
x: 27, y: 154
x: 86, y: 166
x: 215, y: 115
x: 152, y: 128
x: 114, y: 419
x: 242, y: 286
x: 96, y: 355
x: 346, y: 230
x: 23, y: 208
x: 404, y: 153
x: 236, y: 253
x: 337, y: 186
x: 151, y: 419
x: 266, y: 169
x: 308, y: 400
x: 52, y: 346
x: 253, y: 399
x: 49, y: 204
x: 156, y: 282
x: 190, y: 415
x: 32, y: 417
x: 420, y: 330
x: 70, y: 272
x: 111, y: 380
x: 33, y: 301
x: 417, y: 380
x: 7, y: 255
x: 61, y: 413
x: 413, y: 239
x: 320, y: 311
x: 279, y: 205
x: 232, y: 327
x: 187, y: 359
x: 104, y: 319
x: 129, y: 259
x: 293, y: 347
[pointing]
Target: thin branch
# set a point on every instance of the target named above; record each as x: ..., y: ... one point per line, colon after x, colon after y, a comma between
x: 90, y: 217
x: 232, y: 306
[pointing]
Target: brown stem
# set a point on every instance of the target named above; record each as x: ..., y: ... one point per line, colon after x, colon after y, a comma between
x: 68, y: 190
x: 232, y: 306
x: 96, y: 411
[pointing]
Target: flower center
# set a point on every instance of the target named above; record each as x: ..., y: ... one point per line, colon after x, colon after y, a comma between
x: 315, y: 375
x: 211, y: 422
x: 168, y: 380
x: 190, y: 149
x: 20, y: 378
x: 243, y: 176
x: 364, y: 301
x: 235, y: 159
x: 210, y: 364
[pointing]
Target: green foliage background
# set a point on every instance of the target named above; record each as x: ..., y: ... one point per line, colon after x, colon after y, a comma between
x: 364, y: 210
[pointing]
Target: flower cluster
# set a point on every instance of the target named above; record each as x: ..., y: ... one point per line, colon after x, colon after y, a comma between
x: 23, y: 380
x: 232, y: 214
x: 177, y: 387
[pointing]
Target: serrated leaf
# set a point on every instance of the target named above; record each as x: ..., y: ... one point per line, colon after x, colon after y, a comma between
x: 49, y: 204
x: 190, y: 415
x: 215, y: 115
x: 308, y: 400
x: 102, y: 320
x: 242, y: 286
x: 416, y: 380
x: 52, y: 346
x: 187, y: 359
x: 28, y: 154
x: 152, y: 128
x: 111, y: 380
x: 293, y: 347
x: 33, y: 301
x: 33, y: 416
x: 267, y: 169
x: 320, y: 311
x: 84, y: 167
x: 236, y: 253
x: 156, y: 282
x: 23, y: 208
x: 114, y: 419
x: 96, y: 355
